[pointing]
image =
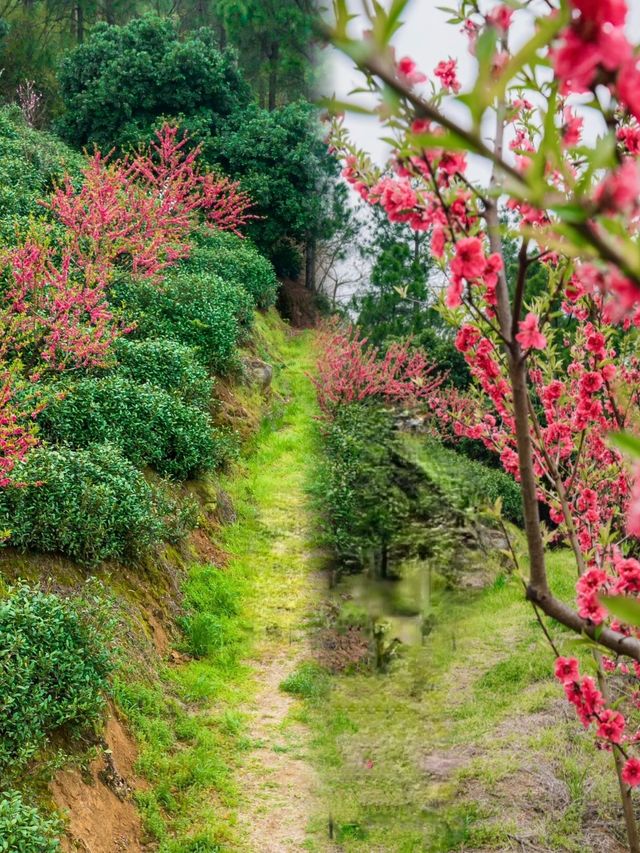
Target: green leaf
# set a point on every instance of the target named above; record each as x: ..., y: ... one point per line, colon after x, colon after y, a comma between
x: 624, y: 608
x: 629, y: 444
x: 393, y: 16
x: 334, y: 106
x: 573, y: 213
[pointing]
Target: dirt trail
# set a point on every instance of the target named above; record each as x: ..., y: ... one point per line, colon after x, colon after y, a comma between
x: 277, y: 781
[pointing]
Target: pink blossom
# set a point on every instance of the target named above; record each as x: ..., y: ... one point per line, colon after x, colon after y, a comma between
x: 530, y: 336
x: 602, y: 11
x: 445, y: 71
x: 590, y: 383
x: 572, y: 128
x: 630, y: 138
x: 620, y: 190
x: 611, y: 725
x: 408, y: 70
x: 566, y: 669
x: 576, y: 60
x: 591, y: 609
x: 631, y: 772
x: 469, y: 261
x: 467, y: 336
x: 454, y: 292
x: 500, y: 17
x: 628, y: 86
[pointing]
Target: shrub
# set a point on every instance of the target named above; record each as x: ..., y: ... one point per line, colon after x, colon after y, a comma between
x: 147, y: 424
x: 468, y: 483
x: 23, y: 829
x: 54, y: 667
x: 363, y: 505
x: 197, y: 309
x: 168, y: 364
x: 239, y: 262
x: 90, y: 505
x: 30, y: 163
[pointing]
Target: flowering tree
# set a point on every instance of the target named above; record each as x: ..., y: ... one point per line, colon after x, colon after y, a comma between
x: 140, y: 210
x: 351, y: 371
x: 555, y: 373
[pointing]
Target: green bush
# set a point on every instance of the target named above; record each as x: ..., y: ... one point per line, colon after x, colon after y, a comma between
x: 30, y: 163
x: 471, y: 484
x: 196, y: 309
x: 54, y: 668
x: 237, y: 261
x: 23, y: 829
x: 362, y: 504
x: 146, y: 423
x: 168, y: 364
x: 90, y: 505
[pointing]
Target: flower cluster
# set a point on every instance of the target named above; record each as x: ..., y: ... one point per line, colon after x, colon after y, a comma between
x: 589, y: 703
x: 594, y: 49
x: 140, y: 210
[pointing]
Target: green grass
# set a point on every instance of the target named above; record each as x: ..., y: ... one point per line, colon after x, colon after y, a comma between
x: 308, y: 681
x: 190, y: 724
x: 450, y: 750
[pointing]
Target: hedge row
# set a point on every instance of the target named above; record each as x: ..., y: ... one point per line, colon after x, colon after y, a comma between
x: 469, y: 483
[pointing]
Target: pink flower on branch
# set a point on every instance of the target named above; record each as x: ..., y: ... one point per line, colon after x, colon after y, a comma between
x: 140, y: 211
x: 446, y: 72
x: 631, y: 772
x: 408, y: 70
x: 530, y: 336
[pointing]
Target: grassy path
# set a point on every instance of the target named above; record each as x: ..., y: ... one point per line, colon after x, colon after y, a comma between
x: 274, y: 547
x: 466, y: 744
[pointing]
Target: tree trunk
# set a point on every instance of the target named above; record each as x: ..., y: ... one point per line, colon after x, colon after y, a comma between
x: 274, y: 53
x: 108, y: 12
x: 384, y: 561
x: 310, y: 265
x: 79, y: 23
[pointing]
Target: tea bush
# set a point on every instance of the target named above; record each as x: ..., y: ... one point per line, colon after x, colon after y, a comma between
x: 149, y: 425
x: 469, y: 483
x: 239, y: 262
x: 197, y: 309
x: 362, y: 504
x: 30, y: 163
x: 90, y: 505
x: 168, y: 364
x: 23, y: 829
x: 54, y: 668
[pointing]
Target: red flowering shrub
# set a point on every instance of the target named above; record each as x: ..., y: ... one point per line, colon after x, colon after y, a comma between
x: 140, y: 210
x: 349, y: 371
x: 136, y: 213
